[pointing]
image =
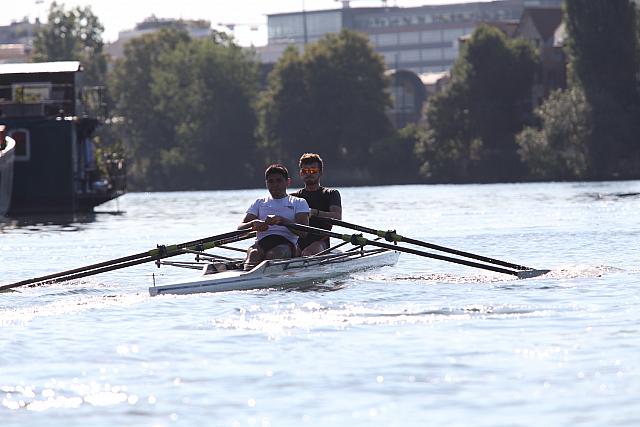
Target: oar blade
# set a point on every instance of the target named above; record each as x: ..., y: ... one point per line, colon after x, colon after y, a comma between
x: 529, y: 274
x: 392, y: 236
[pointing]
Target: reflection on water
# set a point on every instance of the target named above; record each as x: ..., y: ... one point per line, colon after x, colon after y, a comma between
x: 51, y: 222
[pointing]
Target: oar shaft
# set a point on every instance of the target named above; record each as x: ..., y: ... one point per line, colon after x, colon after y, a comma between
x: 398, y: 238
x: 152, y: 255
x: 98, y: 270
x: 75, y: 270
x: 359, y: 240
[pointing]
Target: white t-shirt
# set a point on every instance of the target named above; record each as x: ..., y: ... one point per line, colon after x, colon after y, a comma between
x: 287, y: 207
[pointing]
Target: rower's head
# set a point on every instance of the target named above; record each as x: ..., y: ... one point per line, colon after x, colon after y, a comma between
x: 277, y: 179
x: 310, y: 168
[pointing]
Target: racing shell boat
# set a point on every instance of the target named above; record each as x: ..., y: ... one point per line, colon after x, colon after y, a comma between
x: 220, y: 273
x: 220, y: 276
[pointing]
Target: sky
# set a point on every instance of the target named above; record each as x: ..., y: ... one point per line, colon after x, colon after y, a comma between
x: 249, y: 17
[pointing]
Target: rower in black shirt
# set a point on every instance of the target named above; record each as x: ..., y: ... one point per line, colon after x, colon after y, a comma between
x: 323, y: 203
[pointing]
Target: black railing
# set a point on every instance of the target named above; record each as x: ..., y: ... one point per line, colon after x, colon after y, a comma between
x: 52, y: 100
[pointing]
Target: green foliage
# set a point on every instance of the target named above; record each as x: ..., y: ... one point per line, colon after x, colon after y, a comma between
x: 285, y: 110
x: 146, y: 130
x: 187, y: 111
x: 447, y: 148
x: 330, y: 100
x: 603, y: 50
x: 471, y: 126
x: 73, y: 35
x: 604, y: 63
x: 559, y: 149
x: 392, y: 160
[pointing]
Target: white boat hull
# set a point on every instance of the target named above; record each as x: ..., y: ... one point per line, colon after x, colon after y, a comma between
x: 281, y: 273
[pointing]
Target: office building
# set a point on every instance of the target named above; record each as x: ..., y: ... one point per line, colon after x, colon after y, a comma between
x: 420, y: 39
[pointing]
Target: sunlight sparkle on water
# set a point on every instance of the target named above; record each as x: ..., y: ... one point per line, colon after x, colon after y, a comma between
x: 59, y: 395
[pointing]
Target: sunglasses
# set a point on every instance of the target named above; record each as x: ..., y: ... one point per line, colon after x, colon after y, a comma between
x: 309, y: 171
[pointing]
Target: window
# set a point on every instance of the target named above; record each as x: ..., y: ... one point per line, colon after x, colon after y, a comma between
x: 319, y: 24
x: 433, y: 36
x: 403, y: 99
x: 450, y: 53
x: 387, y: 39
x: 285, y: 27
x: 409, y: 55
x: 23, y: 144
x: 409, y: 38
x: 453, y: 34
x: 431, y: 54
x: 391, y: 58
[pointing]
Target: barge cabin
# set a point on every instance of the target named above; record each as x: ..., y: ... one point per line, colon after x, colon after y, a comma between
x: 51, y: 117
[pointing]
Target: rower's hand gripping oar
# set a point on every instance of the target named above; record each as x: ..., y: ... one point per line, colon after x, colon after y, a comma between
x: 392, y: 236
x: 361, y: 241
x: 152, y: 255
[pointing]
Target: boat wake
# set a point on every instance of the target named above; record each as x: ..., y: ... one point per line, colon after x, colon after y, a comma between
x: 277, y: 321
x: 78, y: 301
x: 449, y: 278
x: 583, y: 271
x: 568, y: 272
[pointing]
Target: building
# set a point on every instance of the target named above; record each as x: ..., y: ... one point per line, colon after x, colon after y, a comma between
x: 408, y: 95
x: 421, y: 39
x: 543, y: 27
x: 14, y: 52
x: 195, y: 29
x: 16, y: 41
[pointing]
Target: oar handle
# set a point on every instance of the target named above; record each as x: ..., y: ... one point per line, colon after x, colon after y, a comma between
x: 392, y: 236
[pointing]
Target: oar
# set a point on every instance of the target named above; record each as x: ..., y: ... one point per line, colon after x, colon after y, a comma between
x: 392, y: 236
x: 361, y: 241
x: 127, y: 261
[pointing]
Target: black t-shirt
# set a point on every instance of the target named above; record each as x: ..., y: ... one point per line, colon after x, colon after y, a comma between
x: 320, y: 199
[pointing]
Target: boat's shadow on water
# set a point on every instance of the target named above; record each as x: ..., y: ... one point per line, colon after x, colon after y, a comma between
x: 323, y: 286
x: 608, y: 196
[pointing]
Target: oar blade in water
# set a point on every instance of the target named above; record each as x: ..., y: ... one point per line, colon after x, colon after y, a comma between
x: 529, y: 274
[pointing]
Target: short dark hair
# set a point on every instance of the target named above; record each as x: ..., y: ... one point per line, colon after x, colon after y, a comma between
x: 307, y: 158
x: 276, y: 168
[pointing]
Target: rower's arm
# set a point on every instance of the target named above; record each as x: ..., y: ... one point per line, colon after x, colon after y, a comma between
x: 335, y: 212
x: 301, y: 218
x: 335, y: 207
x: 252, y: 222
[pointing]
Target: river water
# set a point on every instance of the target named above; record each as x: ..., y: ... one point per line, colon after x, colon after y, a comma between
x: 421, y: 343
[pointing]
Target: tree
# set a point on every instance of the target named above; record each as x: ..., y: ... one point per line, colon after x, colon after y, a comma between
x: 392, y: 160
x: 558, y: 150
x: 285, y: 110
x: 447, y: 147
x: 215, y: 120
x: 145, y: 129
x: 604, y: 63
x: 331, y: 100
x: 471, y: 127
x: 74, y: 35
x: 187, y: 112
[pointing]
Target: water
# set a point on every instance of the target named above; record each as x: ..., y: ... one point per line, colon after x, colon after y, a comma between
x: 421, y: 343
